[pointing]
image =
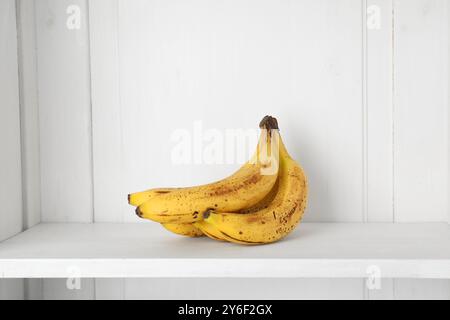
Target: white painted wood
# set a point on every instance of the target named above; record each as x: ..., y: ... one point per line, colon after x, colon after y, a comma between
x: 110, y: 289
x: 421, y: 110
x: 148, y: 45
x: 64, y: 116
x: 146, y: 250
x: 64, y: 112
x: 421, y: 118
x: 183, y: 61
x: 242, y: 289
x: 11, y: 289
x: 57, y: 289
x: 29, y: 113
x: 214, y: 68
x: 422, y: 289
x: 10, y: 169
x: 384, y: 292
x: 412, y: 289
x: 378, y: 101
x: 34, y: 289
x: 110, y: 196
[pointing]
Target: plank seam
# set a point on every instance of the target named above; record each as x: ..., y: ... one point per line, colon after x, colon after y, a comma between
x: 91, y: 133
x: 365, y: 128
x: 21, y: 124
x: 119, y: 93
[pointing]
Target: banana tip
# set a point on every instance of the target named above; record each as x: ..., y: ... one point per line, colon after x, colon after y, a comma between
x: 138, y: 212
x: 128, y: 197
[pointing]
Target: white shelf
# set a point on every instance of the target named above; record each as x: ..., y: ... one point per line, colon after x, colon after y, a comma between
x: 328, y: 250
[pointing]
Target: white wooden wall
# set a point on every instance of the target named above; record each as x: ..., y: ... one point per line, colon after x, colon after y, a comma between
x: 365, y: 110
x: 10, y: 163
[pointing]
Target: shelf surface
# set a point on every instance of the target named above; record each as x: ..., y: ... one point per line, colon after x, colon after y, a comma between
x: 420, y: 250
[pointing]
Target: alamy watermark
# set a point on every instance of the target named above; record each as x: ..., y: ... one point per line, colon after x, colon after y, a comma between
x: 73, y: 21
x: 229, y: 146
x: 73, y: 281
x: 373, y: 280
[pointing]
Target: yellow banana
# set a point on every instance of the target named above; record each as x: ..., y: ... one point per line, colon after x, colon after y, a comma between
x: 138, y: 198
x: 183, y: 229
x: 269, y: 223
x: 242, y: 190
x: 209, y: 230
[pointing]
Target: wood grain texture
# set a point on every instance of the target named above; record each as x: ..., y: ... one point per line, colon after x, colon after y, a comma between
x: 421, y: 142
x: 421, y: 110
x: 34, y: 289
x: 325, y: 250
x: 384, y: 292
x: 64, y: 120
x: 422, y: 289
x: 29, y: 113
x: 151, y: 60
x: 11, y: 289
x: 110, y: 288
x: 182, y: 64
x: 243, y: 289
x: 379, y: 121
x: 57, y: 289
x: 110, y: 196
x: 10, y: 168
x: 64, y: 112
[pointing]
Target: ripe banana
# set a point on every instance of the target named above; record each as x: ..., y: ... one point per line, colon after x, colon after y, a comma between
x: 270, y: 222
x: 183, y: 229
x: 242, y: 190
x: 138, y: 198
x: 260, y: 203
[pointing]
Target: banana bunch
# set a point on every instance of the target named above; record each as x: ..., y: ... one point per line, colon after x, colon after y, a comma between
x: 260, y: 203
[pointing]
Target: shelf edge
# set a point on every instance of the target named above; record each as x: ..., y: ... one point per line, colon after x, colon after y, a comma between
x: 224, y: 268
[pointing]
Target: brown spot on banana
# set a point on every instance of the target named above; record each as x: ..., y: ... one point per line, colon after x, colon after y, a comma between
x: 240, y: 240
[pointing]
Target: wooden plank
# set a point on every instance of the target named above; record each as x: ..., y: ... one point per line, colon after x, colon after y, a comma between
x: 321, y: 250
x: 64, y: 116
x: 10, y: 168
x: 164, y: 77
x: 109, y: 289
x: 421, y: 123
x: 109, y: 201
x: 64, y: 111
x: 58, y: 289
x: 34, y: 289
x: 29, y: 113
x: 121, y: 117
x: 242, y: 289
x: 110, y: 196
x: 384, y: 292
x: 379, y: 111
x: 422, y: 289
x: 420, y: 110
x: 11, y: 289
x: 29, y: 118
